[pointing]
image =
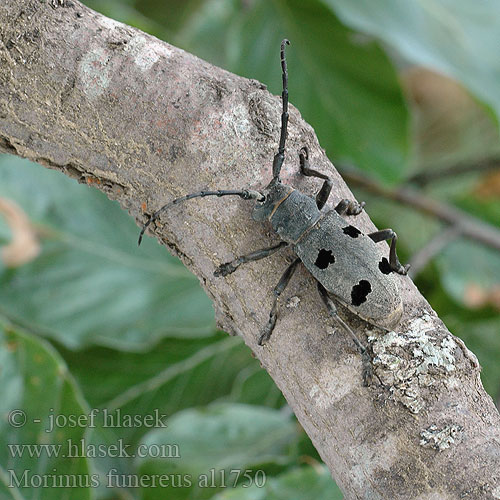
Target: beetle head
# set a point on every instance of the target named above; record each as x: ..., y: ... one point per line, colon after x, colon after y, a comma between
x: 274, y: 194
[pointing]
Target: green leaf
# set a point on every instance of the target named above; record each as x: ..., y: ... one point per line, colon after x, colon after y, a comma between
x: 36, y: 386
x: 175, y: 374
x: 91, y: 284
x: 464, y: 264
x: 306, y: 483
x: 211, y: 443
x: 342, y: 83
x: 455, y: 37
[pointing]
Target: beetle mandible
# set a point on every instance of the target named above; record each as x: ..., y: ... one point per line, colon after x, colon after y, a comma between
x: 346, y: 263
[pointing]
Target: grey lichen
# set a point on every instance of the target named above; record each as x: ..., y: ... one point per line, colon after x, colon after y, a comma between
x: 292, y: 302
x: 440, y: 439
x: 404, y: 360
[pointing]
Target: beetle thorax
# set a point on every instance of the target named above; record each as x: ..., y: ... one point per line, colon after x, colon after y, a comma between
x: 291, y: 212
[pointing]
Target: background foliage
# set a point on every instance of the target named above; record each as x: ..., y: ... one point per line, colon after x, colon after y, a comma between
x: 92, y: 322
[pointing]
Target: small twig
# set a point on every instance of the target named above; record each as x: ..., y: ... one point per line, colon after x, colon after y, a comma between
x: 469, y: 226
x: 431, y: 249
x: 424, y: 178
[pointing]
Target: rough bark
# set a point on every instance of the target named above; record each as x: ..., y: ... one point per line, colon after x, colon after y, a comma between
x: 145, y: 122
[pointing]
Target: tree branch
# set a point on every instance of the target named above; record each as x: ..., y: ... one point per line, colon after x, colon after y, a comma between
x: 146, y: 122
x: 466, y: 225
x: 428, y: 176
x: 421, y: 258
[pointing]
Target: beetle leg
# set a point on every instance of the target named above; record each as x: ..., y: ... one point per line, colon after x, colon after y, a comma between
x: 324, y: 192
x: 367, y: 361
x: 389, y: 234
x: 346, y: 207
x: 230, y: 267
x: 349, y: 207
x: 278, y: 290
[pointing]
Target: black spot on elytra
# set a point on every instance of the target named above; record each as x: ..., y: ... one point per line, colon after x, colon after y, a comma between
x: 324, y: 259
x: 359, y: 292
x: 384, y: 266
x: 352, y: 231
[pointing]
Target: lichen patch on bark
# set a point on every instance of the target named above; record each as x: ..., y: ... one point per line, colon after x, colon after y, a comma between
x: 95, y: 72
x: 145, y: 53
x: 440, y: 438
x: 406, y: 361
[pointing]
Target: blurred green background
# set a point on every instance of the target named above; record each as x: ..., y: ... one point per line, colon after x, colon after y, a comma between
x: 395, y: 89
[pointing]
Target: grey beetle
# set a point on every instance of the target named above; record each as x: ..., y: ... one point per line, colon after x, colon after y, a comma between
x: 346, y: 263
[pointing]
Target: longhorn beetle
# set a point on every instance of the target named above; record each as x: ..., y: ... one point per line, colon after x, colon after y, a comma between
x: 346, y: 263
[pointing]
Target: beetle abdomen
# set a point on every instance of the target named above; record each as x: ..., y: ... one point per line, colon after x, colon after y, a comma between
x: 352, y: 268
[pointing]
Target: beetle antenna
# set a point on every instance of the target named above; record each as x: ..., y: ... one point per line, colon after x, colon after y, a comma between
x: 246, y: 194
x: 280, y: 155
